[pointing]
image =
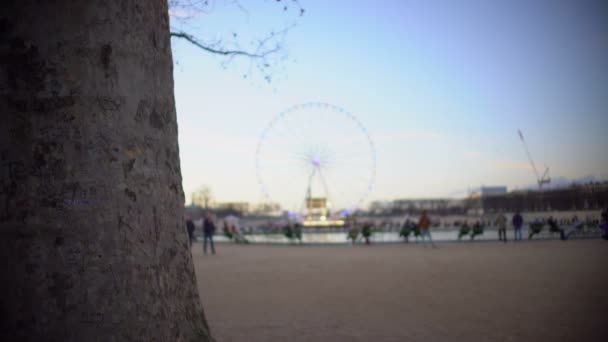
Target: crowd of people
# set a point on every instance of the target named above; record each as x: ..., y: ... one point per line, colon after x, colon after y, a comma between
x: 565, y: 227
x: 421, y: 228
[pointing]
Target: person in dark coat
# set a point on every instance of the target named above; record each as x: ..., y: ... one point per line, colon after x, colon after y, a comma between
x: 604, y: 224
x: 208, y: 231
x: 518, y: 222
x: 190, y: 228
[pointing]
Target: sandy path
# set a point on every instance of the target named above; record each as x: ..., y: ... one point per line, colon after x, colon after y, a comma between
x: 530, y: 291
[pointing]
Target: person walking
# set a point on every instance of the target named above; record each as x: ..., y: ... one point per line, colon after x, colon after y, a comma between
x: 424, y: 225
x: 518, y: 222
x: 501, y: 222
x: 208, y: 231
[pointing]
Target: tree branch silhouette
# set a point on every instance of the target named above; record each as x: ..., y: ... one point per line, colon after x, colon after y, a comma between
x: 261, y: 53
x: 210, y: 49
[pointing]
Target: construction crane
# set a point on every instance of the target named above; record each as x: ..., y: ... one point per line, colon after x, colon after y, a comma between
x: 544, y: 179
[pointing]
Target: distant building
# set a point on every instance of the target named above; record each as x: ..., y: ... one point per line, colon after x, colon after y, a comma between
x: 426, y: 204
x: 489, y: 191
x: 316, y: 208
x: 493, y: 190
x: 380, y: 207
x: 237, y: 207
x: 266, y: 209
x: 416, y: 206
x: 477, y: 202
x: 576, y: 197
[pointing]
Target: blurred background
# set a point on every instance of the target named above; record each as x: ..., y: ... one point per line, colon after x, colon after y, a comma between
x: 448, y: 103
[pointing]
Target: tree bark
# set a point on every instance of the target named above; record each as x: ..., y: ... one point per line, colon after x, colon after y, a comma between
x: 92, y: 240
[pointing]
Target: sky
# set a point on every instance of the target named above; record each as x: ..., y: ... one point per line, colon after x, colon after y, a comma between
x: 440, y: 87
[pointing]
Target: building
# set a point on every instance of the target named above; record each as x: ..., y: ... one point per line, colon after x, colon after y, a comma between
x: 316, y: 208
x: 266, y: 209
x: 478, y: 199
x: 590, y: 196
x: 380, y: 207
x: 441, y: 206
x: 241, y: 208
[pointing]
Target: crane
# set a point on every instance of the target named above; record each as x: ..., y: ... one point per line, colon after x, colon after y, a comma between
x: 544, y: 179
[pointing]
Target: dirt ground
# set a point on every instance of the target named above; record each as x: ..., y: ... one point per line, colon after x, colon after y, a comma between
x: 527, y: 291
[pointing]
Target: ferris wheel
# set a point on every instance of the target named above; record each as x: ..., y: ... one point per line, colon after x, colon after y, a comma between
x: 316, y: 159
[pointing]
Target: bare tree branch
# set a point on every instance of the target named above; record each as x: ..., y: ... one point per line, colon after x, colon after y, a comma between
x: 209, y: 49
x: 263, y: 54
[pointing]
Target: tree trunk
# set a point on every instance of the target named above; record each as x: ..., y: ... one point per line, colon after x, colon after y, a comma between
x: 92, y: 240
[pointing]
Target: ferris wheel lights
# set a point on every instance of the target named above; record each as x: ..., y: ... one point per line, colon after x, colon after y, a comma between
x: 309, y: 223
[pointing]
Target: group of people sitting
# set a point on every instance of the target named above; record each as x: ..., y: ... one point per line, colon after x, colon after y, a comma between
x: 232, y: 232
x: 293, y: 231
x: 574, y: 226
x: 465, y: 229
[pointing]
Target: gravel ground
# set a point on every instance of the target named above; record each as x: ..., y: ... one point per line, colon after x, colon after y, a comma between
x: 526, y: 291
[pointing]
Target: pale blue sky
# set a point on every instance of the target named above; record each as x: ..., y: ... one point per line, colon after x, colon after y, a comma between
x: 442, y: 87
